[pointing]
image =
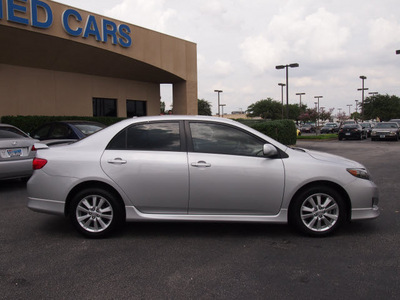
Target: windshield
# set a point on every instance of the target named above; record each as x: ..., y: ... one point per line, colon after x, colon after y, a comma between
x: 88, y: 129
x: 386, y: 125
x: 10, y: 132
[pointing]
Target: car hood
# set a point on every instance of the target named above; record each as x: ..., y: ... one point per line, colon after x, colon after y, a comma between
x: 331, y: 158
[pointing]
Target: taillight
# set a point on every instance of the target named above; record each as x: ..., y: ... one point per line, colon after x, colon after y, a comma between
x: 38, y: 163
x: 33, y: 148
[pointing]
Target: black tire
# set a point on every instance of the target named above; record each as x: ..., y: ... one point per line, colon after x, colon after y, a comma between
x: 96, y: 212
x: 318, y: 211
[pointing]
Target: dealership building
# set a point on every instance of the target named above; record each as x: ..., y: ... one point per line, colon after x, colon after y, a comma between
x: 58, y: 60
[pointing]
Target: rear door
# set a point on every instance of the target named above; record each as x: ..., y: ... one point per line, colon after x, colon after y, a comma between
x: 149, y: 162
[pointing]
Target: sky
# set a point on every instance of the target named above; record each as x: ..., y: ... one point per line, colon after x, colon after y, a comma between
x: 239, y: 43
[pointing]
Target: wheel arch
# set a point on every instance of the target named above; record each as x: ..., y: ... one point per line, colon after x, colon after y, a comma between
x: 330, y: 184
x: 92, y: 184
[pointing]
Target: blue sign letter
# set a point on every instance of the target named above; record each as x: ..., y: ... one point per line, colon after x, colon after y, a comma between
x: 109, y: 29
x: 91, y: 28
x: 12, y: 8
x: 35, y: 4
x: 124, y: 31
x: 65, y: 24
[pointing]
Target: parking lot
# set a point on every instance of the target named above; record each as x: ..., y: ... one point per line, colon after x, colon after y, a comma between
x: 42, y: 256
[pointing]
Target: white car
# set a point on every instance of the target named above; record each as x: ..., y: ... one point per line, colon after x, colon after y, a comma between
x: 191, y: 168
x: 16, y: 153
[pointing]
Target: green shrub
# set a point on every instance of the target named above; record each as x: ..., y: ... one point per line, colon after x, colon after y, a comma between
x: 284, y: 131
x: 29, y: 123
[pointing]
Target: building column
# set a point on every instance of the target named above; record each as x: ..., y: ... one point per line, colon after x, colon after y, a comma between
x: 185, y: 98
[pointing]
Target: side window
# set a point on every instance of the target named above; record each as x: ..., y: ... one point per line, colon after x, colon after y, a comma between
x: 150, y: 137
x: 42, y: 132
x: 60, y: 131
x: 222, y: 139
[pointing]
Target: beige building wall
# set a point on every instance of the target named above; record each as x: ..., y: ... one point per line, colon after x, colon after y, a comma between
x: 29, y: 91
x: 46, y: 71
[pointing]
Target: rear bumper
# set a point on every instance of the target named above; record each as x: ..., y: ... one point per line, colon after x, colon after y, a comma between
x: 46, y: 206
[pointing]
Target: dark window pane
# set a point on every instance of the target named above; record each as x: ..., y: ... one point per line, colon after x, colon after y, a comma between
x: 221, y: 139
x: 156, y: 137
x: 135, y: 108
x: 103, y: 107
x: 149, y: 137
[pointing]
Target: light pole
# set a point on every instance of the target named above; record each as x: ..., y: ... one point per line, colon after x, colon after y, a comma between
x: 218, y: 91
x: 362, y: 77
x: 349, y: 105
x: 373, y: 93
x: 222, y: 107
x: 300, y: 94
x: 282, y: 85
x: 318, y: 97
x: 295, y: 65
x: 356, y: 105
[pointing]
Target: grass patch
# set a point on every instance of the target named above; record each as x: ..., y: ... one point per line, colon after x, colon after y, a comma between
x: 318, y: 137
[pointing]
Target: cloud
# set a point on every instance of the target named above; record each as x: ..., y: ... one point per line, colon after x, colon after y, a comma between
x: 146, y: 13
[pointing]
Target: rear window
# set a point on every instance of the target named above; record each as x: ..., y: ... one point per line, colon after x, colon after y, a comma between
x: 11, y: 133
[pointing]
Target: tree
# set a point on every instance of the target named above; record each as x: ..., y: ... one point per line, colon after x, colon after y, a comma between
x: 325, y: 114
x: 310, y: 115
x: 341, y: 116
x: 204, y: 107
x: 266, y: 109
x: 384, y: 107
x: 162, y: 108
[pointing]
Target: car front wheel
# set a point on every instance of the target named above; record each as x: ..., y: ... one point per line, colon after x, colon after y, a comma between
x: 96, y: 212
x: 318, y: 211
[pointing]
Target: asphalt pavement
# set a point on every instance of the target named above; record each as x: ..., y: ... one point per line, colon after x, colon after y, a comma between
x: 43, y: 257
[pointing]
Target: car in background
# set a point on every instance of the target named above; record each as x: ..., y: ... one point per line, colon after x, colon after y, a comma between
x: 308, y: 128
x: 60, y: 132
x: 165, y: 168
x: 385, y: 131
x: 352, y: 131
x: 16, y: 153
x: 330, y: 128
x: 395, y: 120
x: 367, y: 127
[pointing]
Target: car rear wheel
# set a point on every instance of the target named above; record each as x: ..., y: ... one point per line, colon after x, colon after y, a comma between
x: 96, y: 212
x: 318, y: 211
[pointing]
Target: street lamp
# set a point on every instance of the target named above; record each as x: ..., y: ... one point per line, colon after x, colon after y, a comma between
x: 300, y: 94
x: 318, y: 97
x: 362, y: 100
x: 349, y: 105
x: 356, y: 105
x: 222, y: 107
x: 373, y: 93
x: 397, y: 51
x: 218, y: 91
x: 282, y: 85
x: 295, y: 65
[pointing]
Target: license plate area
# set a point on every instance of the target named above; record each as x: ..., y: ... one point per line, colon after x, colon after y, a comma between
x: 12, y: 153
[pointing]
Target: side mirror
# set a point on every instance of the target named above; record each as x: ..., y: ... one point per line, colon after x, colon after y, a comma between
x: 269, y: 150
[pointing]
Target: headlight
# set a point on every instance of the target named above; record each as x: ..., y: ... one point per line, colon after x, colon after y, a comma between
x: 359, y: 173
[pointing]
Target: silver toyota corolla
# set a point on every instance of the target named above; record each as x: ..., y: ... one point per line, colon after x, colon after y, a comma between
x: 186, y: 168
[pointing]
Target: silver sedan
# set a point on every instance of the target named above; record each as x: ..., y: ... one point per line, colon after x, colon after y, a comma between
x: 16, y: 153
x: 187, y: 168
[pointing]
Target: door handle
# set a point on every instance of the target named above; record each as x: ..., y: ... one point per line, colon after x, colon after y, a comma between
x: 201, y: 164
x: 117, y: 161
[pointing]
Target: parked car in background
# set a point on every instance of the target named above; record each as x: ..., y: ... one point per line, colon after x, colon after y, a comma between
x: 385, y: 131
x: 352, y: 131
x: 16, y: 153
x: 395, y: 120
x: 367, y: 127
x: 308, y: 128
x: 330, y: 128
x: 65, y: 131
x: 165, y: 169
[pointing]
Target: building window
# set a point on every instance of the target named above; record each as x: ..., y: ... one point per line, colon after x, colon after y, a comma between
x: 103, y: 107
x: 135, y: 108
